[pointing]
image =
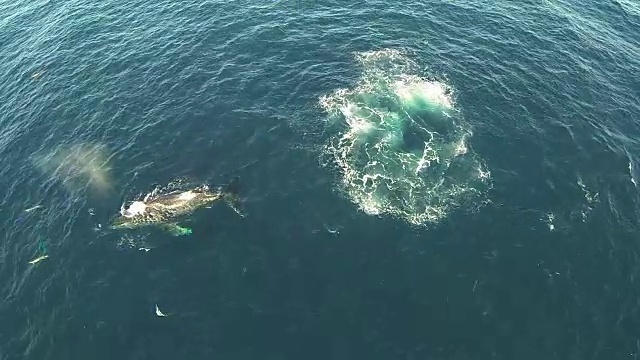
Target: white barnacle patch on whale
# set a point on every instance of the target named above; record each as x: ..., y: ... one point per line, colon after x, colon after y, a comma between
x: 187, y: 195
x: 136, y: 208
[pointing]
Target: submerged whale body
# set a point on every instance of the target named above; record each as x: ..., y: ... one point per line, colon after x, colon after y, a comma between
x: 165, y: 210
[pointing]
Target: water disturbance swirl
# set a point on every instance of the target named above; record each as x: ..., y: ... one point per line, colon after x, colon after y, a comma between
x: 403, y: 146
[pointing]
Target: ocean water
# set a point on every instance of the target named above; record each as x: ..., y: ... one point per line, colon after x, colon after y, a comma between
x: 422, y: 179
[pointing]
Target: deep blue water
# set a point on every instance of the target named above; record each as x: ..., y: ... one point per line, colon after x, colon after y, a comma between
x: 422, y: 180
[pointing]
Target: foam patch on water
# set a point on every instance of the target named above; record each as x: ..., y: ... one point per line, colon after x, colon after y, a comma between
x: 402, y: 146
x: 550, y: 221
x: 591, y: 197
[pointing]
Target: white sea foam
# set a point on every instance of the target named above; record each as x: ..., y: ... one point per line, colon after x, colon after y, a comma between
x: 403, y: 149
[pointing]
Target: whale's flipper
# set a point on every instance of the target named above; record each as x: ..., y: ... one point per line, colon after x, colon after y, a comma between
x: 175, y: 229
x: 231, y: 197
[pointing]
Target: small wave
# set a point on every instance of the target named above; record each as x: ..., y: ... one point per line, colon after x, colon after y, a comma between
x: 630, y: 7
x: 403, y: 146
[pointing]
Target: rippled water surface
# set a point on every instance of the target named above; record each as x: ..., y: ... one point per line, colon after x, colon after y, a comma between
x: 421, y: 180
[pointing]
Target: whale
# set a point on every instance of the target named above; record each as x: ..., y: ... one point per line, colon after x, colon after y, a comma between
x: 166, y: 210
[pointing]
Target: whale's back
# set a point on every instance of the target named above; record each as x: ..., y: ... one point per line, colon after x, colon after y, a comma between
x: 172, y: 206
x: 183, y: 201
